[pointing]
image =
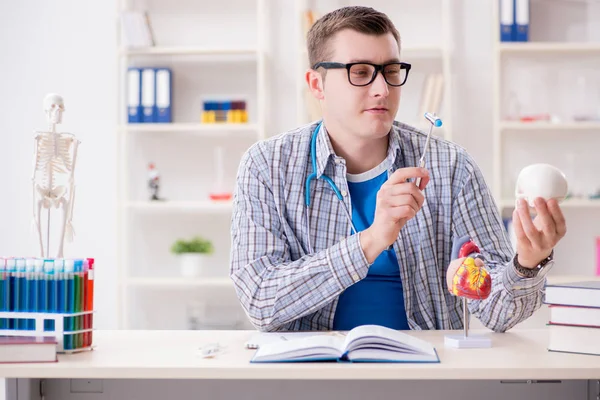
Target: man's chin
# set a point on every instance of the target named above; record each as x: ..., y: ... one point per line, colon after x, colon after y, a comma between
x: 380, y: 127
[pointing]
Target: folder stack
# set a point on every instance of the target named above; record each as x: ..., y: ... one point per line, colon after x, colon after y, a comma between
x: 149, y: 95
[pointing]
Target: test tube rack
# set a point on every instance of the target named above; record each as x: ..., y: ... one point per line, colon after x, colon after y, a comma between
x: 72, y: 340
x: 46, y: 297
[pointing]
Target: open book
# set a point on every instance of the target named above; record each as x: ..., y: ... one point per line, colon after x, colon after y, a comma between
x: 367, y: 343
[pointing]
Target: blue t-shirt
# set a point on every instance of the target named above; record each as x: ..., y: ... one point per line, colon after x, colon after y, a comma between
x: 378, y: 298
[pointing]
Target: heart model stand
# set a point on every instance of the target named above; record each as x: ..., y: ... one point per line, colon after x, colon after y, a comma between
x: 469, y: 281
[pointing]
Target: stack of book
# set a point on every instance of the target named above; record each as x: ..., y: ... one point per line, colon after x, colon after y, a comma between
x: 27, y: 349
x: 574, y: 317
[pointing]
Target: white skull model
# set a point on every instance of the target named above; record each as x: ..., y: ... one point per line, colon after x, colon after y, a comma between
x: 541, y: 180
x: 54, y: 107
x: 54, y: 163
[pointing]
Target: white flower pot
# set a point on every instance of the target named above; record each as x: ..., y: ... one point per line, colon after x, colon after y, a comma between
x: 191, y: 264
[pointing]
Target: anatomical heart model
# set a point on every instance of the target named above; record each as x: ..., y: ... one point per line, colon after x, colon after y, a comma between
x: 470, y: 281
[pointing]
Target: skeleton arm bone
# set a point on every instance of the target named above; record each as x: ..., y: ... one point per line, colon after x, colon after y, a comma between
x: 72, y: 190
x: 36, y: 202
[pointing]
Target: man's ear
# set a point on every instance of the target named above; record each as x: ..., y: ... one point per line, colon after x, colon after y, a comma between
x: 315, y: 83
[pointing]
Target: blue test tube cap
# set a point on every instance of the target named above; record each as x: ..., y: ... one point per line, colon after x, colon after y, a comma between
x: 433, y: 119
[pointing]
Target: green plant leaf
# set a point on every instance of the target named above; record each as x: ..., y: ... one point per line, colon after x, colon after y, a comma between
x: 195, y: 245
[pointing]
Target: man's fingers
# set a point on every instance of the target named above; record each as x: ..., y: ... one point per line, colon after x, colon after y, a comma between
x: 402, y: 212
x: 401, y: 200
x: 529, y: 228
x: 424, y: 182
x: 545, y: 220
x: 451, y: 271
x: 391, y: 193
x: 402, y: 175
x: 518, y: 227
x: 558, y: 217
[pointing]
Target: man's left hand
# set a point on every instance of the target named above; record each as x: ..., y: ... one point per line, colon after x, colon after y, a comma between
x: 537, y: 238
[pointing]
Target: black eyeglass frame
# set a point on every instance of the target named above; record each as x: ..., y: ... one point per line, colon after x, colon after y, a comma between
x: 377, y: 68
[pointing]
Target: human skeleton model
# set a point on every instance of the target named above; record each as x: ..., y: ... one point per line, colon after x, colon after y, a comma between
x: 54, y: 162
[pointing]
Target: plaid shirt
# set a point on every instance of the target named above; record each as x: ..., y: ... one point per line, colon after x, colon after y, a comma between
x: 283, y: 287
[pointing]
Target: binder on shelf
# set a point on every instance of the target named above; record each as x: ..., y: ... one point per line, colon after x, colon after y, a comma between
x: 148, y: 95
x: 507, y: 20
x: 163, y: 95
x: 134, y: 95
x: 521, y: 20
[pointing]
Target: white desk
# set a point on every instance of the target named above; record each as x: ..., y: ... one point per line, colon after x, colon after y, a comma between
x: 518, y: 355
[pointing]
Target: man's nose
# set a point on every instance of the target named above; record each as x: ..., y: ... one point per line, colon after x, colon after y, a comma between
x: 379, y: 87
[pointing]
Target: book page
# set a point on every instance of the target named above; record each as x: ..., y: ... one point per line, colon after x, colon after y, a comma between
x: 373, y: 335
x: 318, y: 345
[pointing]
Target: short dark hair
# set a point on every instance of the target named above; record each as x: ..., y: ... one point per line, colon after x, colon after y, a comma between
x: 358, y: 18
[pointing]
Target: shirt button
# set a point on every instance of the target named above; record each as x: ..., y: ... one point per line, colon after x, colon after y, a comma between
x: 355, y: 277
x: 338, y: 161
x: 344, y: 193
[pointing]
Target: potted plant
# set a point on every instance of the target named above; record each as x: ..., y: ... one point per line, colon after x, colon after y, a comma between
x: 191, y: 254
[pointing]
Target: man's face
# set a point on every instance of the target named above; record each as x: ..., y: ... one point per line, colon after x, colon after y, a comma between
x: 367, y: 111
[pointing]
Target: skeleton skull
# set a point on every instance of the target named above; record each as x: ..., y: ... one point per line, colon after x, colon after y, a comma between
x: 54, y: 107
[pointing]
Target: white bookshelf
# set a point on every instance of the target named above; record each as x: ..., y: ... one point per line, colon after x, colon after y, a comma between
x: 194, y: 128
x: 190, y: 50
x: 435, y: 55
x: 504, y: 126
x: 182, y: 283
x: 208, y: 207
x: 201, y: 66
x: 543, y: 72
x: 531, y: 48
x: 565, y: 54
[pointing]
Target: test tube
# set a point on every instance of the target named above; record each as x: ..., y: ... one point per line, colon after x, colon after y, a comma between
x: 38, y: 287
x: 61, y: 293
x: 70, y: 302
x: 78, y: 304
x: 31, y: 290
x: 4, y: 292
x: 83, y: 319
x: 49, y: 292
x: 13, y: 290
x: 21, y: 304
x: 89, y: 293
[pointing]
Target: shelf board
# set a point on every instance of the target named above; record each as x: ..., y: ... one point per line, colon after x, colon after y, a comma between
x: 181, y: 206
x: 550, y: 126
x: 187, y: 50
x: 549, y: 47
x: 160, y: 282
x: 559, y: 279
x: 569, y: 203
x: 216, y: 129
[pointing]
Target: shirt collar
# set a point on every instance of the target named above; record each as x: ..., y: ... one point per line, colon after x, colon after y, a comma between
x: 325, y: 149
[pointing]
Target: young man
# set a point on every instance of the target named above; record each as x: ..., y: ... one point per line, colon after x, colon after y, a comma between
x: 376, y: 250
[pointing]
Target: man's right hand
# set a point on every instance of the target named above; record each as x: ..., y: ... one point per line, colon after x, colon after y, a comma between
x: 398, y: 200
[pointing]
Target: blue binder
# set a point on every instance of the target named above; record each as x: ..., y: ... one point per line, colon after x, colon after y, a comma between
x: 148, y: 95
x: 522, y: 20
x: 134, y: 95
x: 163, y: 95
x: 507, y: 20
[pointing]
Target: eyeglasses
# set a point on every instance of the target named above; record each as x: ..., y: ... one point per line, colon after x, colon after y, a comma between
x: 363, y: 74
